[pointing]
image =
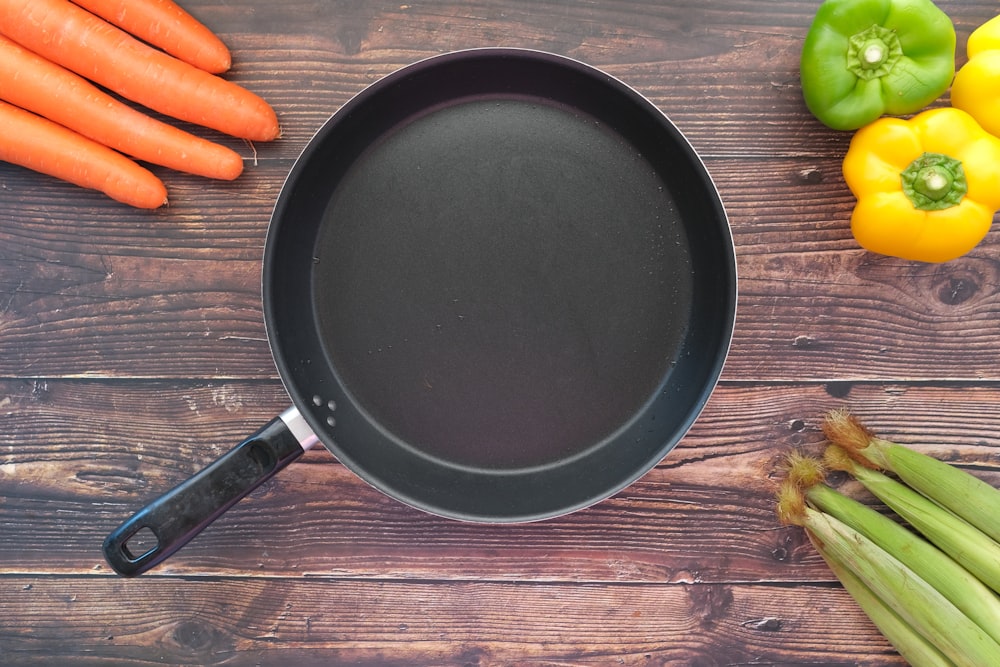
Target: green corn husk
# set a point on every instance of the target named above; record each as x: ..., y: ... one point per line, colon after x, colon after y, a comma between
x: 910, y: 644
x: 916, y: 602
x: 964, y: 494
x: 966, y: 544
x: 937, y: 568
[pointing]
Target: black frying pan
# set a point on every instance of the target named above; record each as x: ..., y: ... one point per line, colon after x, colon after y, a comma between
x: 499, y: 285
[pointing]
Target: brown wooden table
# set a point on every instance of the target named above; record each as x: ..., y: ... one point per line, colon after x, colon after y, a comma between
x: 133, y: 352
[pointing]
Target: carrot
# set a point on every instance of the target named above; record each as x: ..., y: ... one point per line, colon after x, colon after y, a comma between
x: 93, y: 48
x: 43, y: 146
x: 166, y: 25
x: 35, y: 84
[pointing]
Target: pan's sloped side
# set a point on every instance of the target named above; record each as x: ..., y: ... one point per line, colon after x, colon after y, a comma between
x: 499, y: 285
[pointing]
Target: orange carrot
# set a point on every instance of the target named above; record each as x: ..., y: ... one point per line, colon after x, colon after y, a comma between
x: 43, y: 146
x: 93, y: 48
x: 35, y: 84
x: 166, y: 25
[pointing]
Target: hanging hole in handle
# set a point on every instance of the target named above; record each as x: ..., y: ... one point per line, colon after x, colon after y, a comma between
x: 142, y: 542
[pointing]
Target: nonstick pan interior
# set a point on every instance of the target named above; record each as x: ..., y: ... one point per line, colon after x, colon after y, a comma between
x: 499, y: 285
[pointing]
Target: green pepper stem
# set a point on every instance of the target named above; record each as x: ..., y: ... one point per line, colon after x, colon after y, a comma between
x: 872, y: 53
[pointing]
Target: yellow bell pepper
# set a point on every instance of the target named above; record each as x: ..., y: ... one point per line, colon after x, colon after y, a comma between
x: 927, y: 187
x: 976, y: 88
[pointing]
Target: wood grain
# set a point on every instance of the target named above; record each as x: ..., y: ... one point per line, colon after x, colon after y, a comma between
x: 187, y: 285
x: 133, y: 352
x: 89, y: 453
x: 330, y: 622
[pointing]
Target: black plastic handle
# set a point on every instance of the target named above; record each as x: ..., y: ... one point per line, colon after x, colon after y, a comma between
x: 172, y: 520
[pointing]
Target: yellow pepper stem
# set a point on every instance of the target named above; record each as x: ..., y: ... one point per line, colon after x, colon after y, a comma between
x: 934, y: 182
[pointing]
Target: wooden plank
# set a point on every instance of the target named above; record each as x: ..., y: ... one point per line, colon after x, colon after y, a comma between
x: 76, y: 458
x: 386, y: 623
x: 725, y: 72
x: 85, y: 293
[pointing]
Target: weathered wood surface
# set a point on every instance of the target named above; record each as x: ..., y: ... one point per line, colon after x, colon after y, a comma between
x: 133, y: 352
x: 247, y: 621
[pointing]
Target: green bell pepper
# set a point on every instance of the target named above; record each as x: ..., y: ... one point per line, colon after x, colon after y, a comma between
x: 862, y: 59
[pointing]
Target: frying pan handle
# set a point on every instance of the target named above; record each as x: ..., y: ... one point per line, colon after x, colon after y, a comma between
x: 172, y: 520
